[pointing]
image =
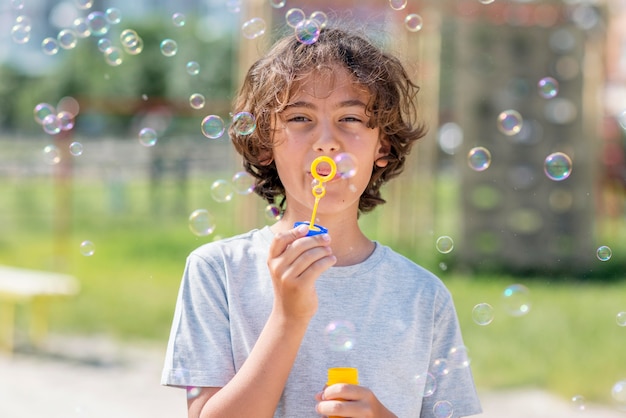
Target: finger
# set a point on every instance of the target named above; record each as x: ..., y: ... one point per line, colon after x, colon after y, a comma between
x: 283, y: 239
x: 344, y: 392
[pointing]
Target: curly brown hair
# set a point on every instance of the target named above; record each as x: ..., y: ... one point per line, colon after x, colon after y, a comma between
x: 271, y: 81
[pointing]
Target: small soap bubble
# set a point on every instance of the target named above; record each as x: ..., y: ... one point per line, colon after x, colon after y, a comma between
x: 193, y: 68
x: 482, y: 314
x: 339, y: 335
x: 84, y: 4
x: 66, y: 119
x: 320, y: 17
x: 294, y: 16
x: 132, y: 44
x: 169, y: 47
x: 557, y: 166
x: 76, y: 149
x: 479, y: 158
x: 604, y: 253
x: 516, y: 300
x: 20, y: 33
x: 620, y: 318
x: 243, y: 182
x: 67, y: 38
x: 50, y: 46
x: 42, y: 110
x: 17, y: 4
x: 346, y: 165
x: 440, y: 367
x: 510, y: 122
x: 444, y: 244
x: 178, y: 19
x: 104, y: 44
x: 443, y: 409
x: 579, y: 402
x: 307, y: 31
x: 233, y: 6
x: 273, y: 212
x: 113, y: 15
x: 212, y: 126
x: 87, y: 248
x: 548, y: 87
x: 201, y: 222
x: 197, y: 101
x: 253, y: 28
x: 98, y: 24
x: 618, y: 392
x: 458, y: 357
x: 81, y: 27
x: 398, y: 4
x: 148, y: 137
x: 222, y: 191
x: 426, y: 384
x: 277, y: 4
x: 51, y: 124
x: 413, y: 22
x: 128, y: 37
x: 113, y: 56
x: 244, y: 123
x: 193, y: 392
x: 51, y: 154
x: 24, y: 20
x: 68, y: 104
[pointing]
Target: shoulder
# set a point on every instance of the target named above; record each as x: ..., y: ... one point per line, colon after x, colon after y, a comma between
x: 246, y: 244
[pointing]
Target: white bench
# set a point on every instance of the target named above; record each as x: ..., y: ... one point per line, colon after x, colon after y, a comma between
x: 34, y: 288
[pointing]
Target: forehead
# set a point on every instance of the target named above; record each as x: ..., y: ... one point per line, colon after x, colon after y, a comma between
x: 326, y: 81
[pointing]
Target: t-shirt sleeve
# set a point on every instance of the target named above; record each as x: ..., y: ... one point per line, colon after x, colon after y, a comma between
x: 199, y: 350
x: 453, y: 393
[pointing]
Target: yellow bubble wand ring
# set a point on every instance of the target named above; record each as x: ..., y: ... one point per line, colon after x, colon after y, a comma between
x: 319, y: 190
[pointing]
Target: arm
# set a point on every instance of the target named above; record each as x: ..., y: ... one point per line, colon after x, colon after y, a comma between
x: 295, y: 262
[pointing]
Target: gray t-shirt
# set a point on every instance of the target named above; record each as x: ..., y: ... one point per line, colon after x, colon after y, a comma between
x: 386, y: 316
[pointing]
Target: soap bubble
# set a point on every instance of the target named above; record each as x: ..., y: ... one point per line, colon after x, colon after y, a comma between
x: 212, y: 126
x: 253, y: 28
x: 346, y: 165
x: 17, y: 4
x: 113, y: 56
x: 193, y: 68
x: 84, y: 4
x: 557, y: 166
x: 426, y: 383
x: 458, y: 357
x: 479, y: 158
x: 578, y: 401
x: 510, y: 122
x: 20, y: 33
x: 51, y: 154
x: 620, y: 318
x: 339, y: 335
x: 244, y: 123
x: 66, y: 120
x: 131, y: 42
x: 243, y: 182
x: 51, y: 124
x: 222, y: 191
x: 197, y: 101
x: 398, y: 4
x: 277, y: 4
x: 413, y: 22
x: 443, y: 409
x: 444, y: 244
x: 50, y: 46
x: 272, y: 212
x: 440, y: 367
x: 87, y: 248
x: 307, y: 31
x: 81, y: 27
x: 169, y: 47
x: 98, y: 24
x: 193, y: 392
x: 104, y: 44
x: 42, y: 110
x: 201, y: 222
x: 516, y: 300
x: 482, y: 314
x: 604, y: 253
x: 113, y: 15
x: 76, y: 149
x: 178, y: 19
x: 618, y: 392
x: 548, y: 87
x: 320, y: 17
x: 294, y: 16
x: 148, y: 137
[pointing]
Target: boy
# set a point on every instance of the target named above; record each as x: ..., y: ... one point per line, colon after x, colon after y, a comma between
x: 250, y: 336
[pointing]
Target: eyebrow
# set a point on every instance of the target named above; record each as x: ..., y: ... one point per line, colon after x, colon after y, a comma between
x: 309, y: 105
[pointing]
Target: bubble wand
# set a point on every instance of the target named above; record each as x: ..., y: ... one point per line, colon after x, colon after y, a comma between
x: 319, y: 190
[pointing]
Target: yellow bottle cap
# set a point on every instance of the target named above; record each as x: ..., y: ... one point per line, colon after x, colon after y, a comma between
x: 348, y: 375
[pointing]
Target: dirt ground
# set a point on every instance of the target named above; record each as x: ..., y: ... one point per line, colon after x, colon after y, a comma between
x: 98, y: 378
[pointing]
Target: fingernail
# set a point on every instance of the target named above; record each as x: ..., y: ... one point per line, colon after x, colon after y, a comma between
x: 302, y: 229
x: 326, y: 237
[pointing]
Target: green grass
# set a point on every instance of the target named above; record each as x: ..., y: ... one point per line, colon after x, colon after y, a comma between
x: 569, y: 342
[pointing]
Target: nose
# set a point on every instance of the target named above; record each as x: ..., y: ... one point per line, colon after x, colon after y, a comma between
x: 326, y: 141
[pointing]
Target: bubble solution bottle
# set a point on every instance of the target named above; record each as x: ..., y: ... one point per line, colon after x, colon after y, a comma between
x: 349, y: 375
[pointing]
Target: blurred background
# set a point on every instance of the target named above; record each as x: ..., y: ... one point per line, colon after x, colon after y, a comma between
x: 115, y: 164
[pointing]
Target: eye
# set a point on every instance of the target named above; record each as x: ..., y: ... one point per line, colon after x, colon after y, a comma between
x: 351, y: 119
x: 298, y: 118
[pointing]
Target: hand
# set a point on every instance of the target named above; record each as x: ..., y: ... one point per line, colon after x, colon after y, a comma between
x: 343, y: 400
x: 295, y: 262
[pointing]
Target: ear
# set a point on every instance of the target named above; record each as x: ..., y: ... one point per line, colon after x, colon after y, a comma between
x: 380, y: 159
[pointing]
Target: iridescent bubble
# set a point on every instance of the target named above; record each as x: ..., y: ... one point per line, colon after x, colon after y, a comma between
x: 604, y: 253
x: 444, y: 244
x: 50, y: 46
x: 104, y: 44
x: 320, y: 17
x: 618, y: 392
x: 244, y: 123
x: 253, y: 28
x: 68, y: 104
x: 516, y: 300
x: 426, y: 384
x: 479, y: 158
x: 397, y: 4
x: 243, y: 182
x: 98, y: 24
x: 222, y: 191
x: 193, y: 68
x: 135, y: 47
x: 339, y: 335
x: 148, y: 137
x: 458, y: 357
x: 548, y: 87
x: 277, y: 4
x: 557, y: 166
x: 443, y: 409
x: 197, y: 101
x: 24, y: 20
x: 20, y: 33
x: 201, y: 222
x: 76, y: 149
x: 212, y: 126
x: 128, y: 37
x: 113, y: 15
x: 482, y: 314
x: 81, y: 27
x: 307, y: 31
x: 510, y: 122
x: 413, y: 22
x: 273, y: 212
x: 51, y: 124
x: 346, y: 165
x: 17, y: 4
x: 66, y: 119
x: 42, y: 110
x: 113, y: 56
x: 84, y: 4
x: 294, y: 16
x: 193, y: 392
x: 440, y: 367
x: 51, y: 154
x: 620, y: 318
x: 178, y: 19
x: 169, y: 47
x: 579, y: 402
x: 67, y: 38
x: 87, y: 248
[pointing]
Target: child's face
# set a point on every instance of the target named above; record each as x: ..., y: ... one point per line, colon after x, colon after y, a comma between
x: 326, y: 115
